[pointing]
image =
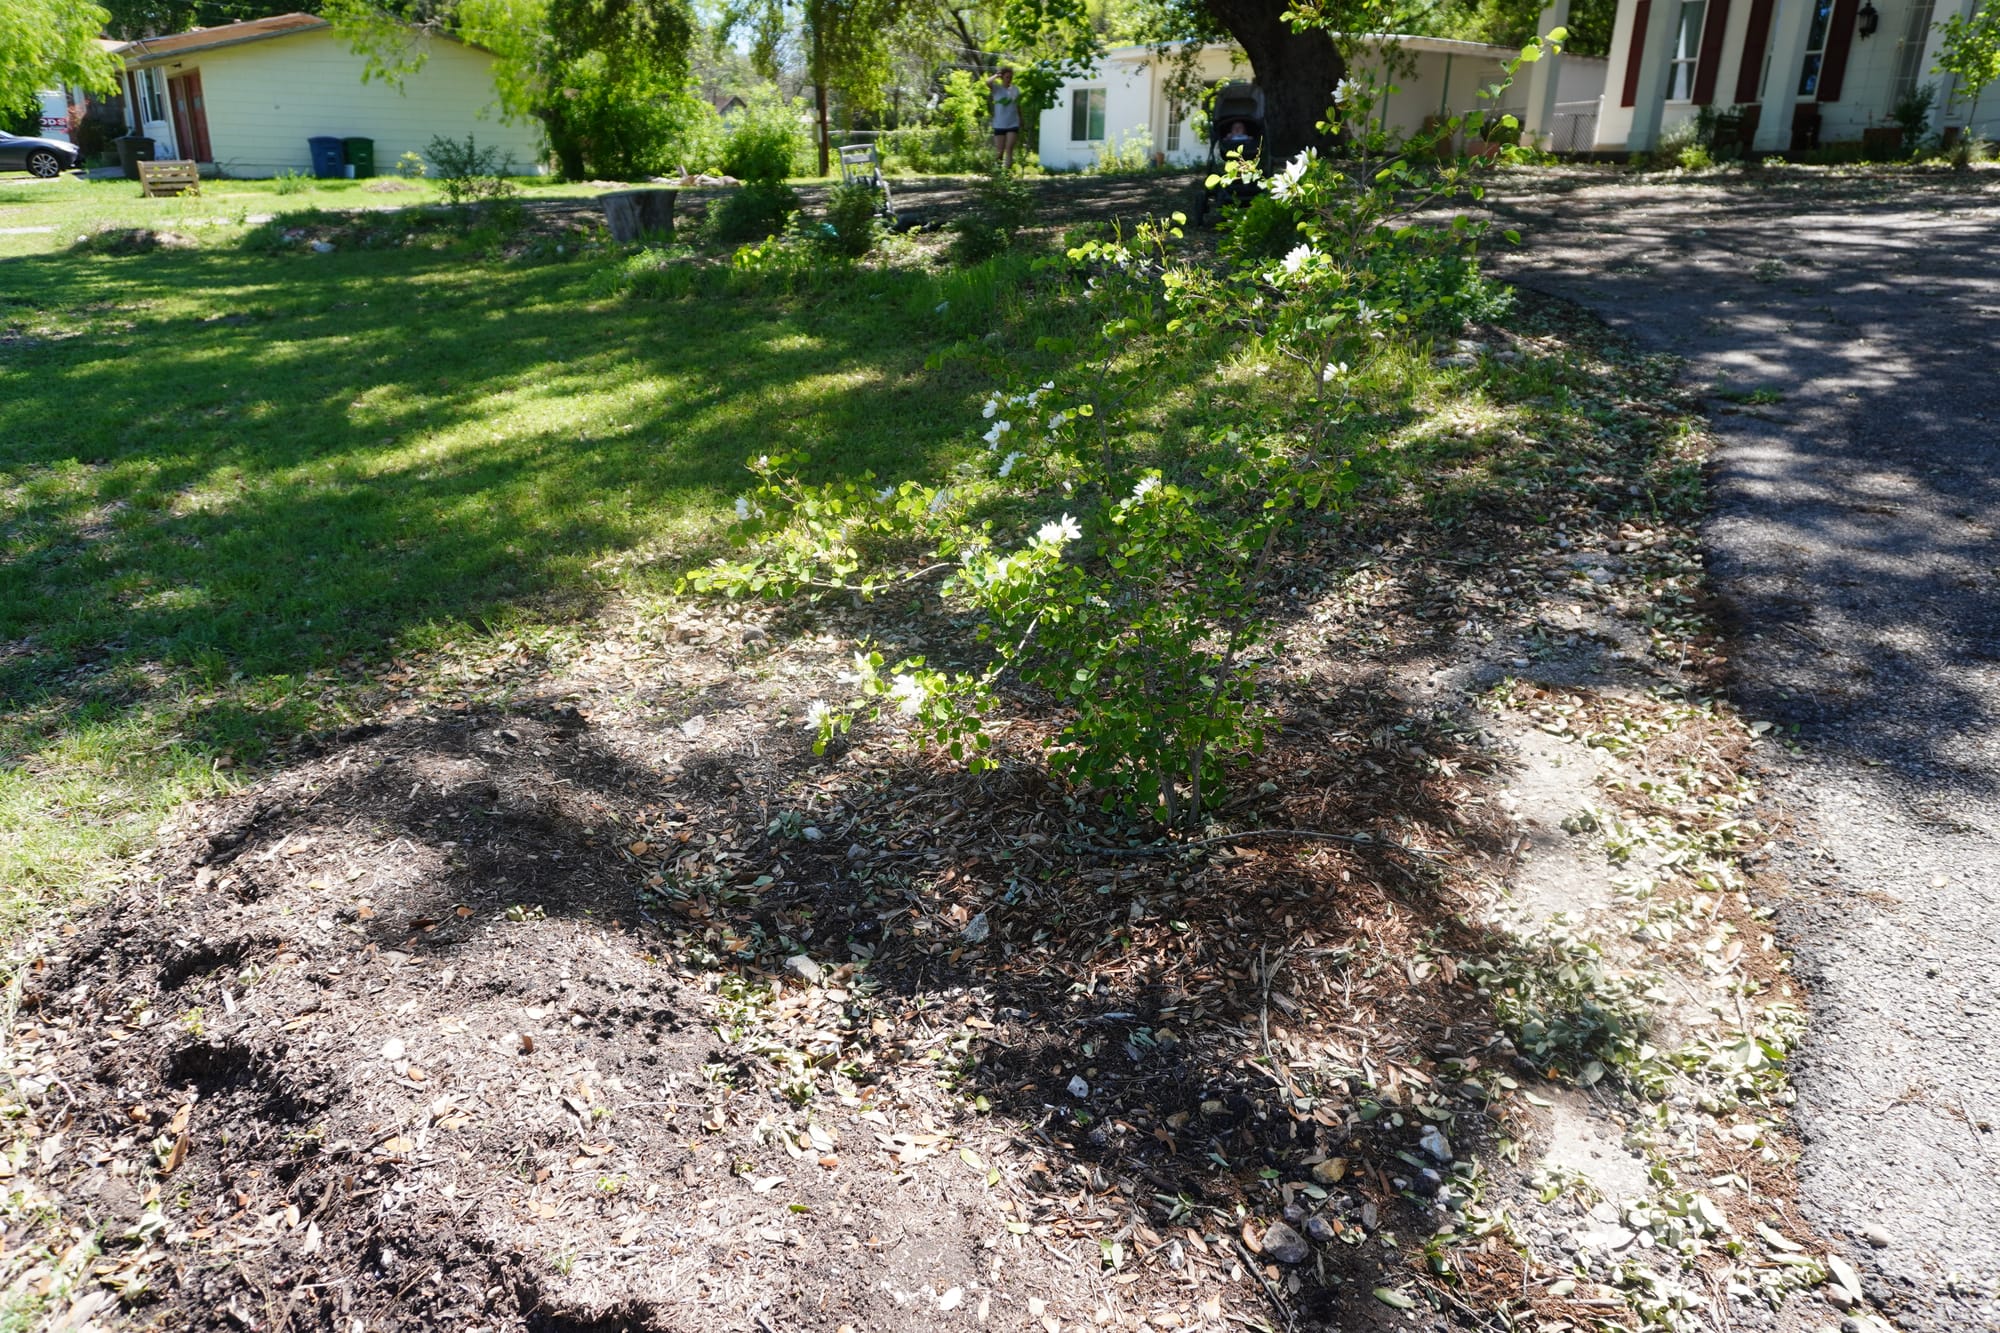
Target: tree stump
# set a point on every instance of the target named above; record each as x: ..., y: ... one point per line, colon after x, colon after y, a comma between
x: 633, y: 215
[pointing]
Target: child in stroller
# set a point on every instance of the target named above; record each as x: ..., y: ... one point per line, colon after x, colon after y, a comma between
x: 1236, y: 128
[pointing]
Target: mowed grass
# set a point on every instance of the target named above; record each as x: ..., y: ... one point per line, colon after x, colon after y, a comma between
x: 231, y: 483
x: 37, y: 217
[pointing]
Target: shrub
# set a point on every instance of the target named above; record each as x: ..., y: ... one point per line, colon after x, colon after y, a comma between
x: 766, y: 141
x: 1912, y: 114
x: 410, y: 166
x: 754, y: 210
x: 470, y: 174
x: 850, y: 228
x: 1264, y: 229
x: 1124, y: 154
x: 1000, y: 205
x: 292, y: 182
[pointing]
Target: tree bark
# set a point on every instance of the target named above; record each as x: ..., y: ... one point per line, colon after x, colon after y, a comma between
x: 1296, y: 70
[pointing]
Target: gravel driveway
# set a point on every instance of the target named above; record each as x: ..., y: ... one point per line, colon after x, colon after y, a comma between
x: 1847, y: 334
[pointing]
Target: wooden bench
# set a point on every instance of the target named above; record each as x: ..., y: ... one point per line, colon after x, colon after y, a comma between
x: 169, y: 178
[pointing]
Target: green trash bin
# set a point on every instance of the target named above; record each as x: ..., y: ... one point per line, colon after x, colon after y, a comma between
x: 360, y: 154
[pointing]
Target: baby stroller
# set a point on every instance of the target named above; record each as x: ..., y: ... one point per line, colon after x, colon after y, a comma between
x: 1235, y: 127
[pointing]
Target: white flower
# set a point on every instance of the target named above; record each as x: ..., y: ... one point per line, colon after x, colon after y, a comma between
x: 1343, y: 90
x: 909, y: 695
x: 1058, y: 531
x: 939, y: 501
x: 1048, y: 385
x: 817, y: 714
x: 1056, y: 421
x: 1299, y: 257
x: 1332, y: 371
x: 1286, y: 182
x: 992, y: 406
x: 882, y: 496
x: 1365, y: 314
x: 992, y: 437
x: 742, y: 509
x: 763, y: 462
x: 1007, y: 463
x: 1147, y: 485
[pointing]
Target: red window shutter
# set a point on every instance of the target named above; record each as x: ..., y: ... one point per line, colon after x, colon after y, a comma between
x: 1839, y: 36
x: 1756, y: 37
x: 1642, y: 15
x: 1715, y: 20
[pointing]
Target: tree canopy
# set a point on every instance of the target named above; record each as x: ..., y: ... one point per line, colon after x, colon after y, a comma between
x: 47, y: 43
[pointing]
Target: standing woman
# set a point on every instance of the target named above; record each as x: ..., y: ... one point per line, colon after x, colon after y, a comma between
x: 1006, y: 115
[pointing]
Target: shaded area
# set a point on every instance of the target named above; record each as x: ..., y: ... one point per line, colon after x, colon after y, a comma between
x: 1842, y: 332
x: 545, y: 904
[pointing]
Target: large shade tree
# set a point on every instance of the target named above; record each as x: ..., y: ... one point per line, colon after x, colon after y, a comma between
x: 843, y: 44
x: 571, y: 64
x: 51, y: 43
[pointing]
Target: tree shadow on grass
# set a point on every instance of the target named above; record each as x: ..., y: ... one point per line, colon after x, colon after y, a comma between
x: 234, y: 470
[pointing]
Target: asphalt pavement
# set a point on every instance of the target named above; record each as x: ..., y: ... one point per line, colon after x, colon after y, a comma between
x: 1846, y: 337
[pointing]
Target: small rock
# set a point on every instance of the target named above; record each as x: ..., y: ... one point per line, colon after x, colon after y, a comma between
x: 1371, y: 1216
x: 1319, y: 1229
x: 1605, y: 1211
x: 1331, y: 1171
x: 322, y: 247
x: 1285, y: 1245
x: 1294, y: 1215
x: 1607, y: 1238
x: 1840, y: 1298
x: 976, y: 929
x: 1433, y: 1142
x: 811, y: 833
x: 1213, y: 1107
x: 1428, y: 1183
x: 1877, y: 1236
x: 805, y: 969
x: 1850, y: 1326
x: 392, y: 1049
x: 1079, y: 1088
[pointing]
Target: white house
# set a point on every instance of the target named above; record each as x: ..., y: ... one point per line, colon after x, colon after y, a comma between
x: 1800, y: 72
x: 1126, y: 96
x: 246, y: 97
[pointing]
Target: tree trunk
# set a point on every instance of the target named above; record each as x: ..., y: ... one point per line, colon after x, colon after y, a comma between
x: 1296, y: 70
x: 639, y: 215
x: 819, y: 105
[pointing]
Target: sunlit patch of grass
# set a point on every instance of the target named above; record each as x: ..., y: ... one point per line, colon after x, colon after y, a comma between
x: 236, y: 480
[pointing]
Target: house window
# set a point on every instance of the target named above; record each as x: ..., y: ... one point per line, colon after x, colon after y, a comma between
x: 1174, y: 114
x: 1822, y: 20
x: 1086, y: 114
x: 152, y: 96
x: 1687, y: 49
x: 1910, y: 60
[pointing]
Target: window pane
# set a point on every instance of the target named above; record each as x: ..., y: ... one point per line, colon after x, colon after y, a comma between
x: 1079, y: 112
x: 1822, y: 15
x: 1688, y: 45
x: 1809, y: 78
x: 1097, y: 113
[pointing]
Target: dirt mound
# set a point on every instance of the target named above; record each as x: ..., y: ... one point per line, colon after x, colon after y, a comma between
x: 132, y: 241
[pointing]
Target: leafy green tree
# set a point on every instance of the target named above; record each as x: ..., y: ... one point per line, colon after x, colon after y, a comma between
x: 602, y: 76
x: 844, y: 45
x: 1971, y: 52
x: 154, y: 18
x: 44, y: 43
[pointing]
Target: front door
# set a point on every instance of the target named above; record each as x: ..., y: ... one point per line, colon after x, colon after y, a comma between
x: 190, y: 117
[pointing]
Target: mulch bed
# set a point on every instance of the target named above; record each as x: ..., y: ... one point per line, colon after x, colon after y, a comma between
x: 578, y: 994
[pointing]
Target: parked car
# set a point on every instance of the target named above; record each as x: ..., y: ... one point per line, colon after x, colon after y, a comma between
x: 38, y: 157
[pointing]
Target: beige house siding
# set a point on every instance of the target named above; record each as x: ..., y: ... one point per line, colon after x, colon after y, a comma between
x: 265, y: 98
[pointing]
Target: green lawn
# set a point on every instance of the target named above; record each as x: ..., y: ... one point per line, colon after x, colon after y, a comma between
x: 231, y: 480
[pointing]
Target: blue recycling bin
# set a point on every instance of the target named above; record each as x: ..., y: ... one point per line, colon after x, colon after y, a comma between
x: 327, y: 163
